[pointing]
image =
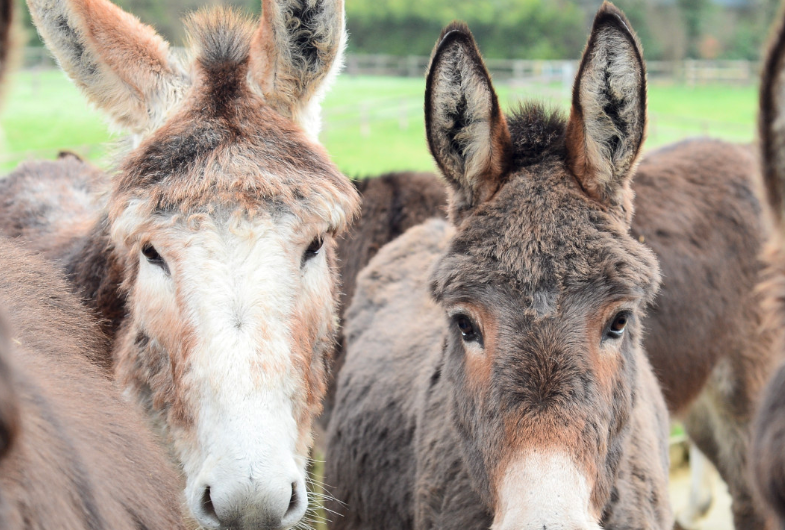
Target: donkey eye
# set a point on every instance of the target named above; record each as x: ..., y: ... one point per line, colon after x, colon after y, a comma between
x: 314, y: 248
x: 467, y: 328
x: 618, y: 325
x: 153, y: 256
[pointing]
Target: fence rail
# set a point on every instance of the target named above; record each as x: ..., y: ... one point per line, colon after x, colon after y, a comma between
x: 690, y: 72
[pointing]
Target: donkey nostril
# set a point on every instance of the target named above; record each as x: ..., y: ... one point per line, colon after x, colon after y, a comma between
x: 294, y: 501
x: 207, y: 503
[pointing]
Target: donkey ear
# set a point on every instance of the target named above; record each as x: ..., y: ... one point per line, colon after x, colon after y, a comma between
x: 122, y: 65
x: 296, y: 53
x: 771, y: 121
x: 608, y: 117
x: 467, y: 132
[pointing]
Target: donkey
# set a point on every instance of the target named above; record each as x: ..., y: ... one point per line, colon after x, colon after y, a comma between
x: 211, y: 258
x: 73, y: 453
x: 696, y: 206
x: 65, y: 433
x: 767, y: 454
x: 494, y: 374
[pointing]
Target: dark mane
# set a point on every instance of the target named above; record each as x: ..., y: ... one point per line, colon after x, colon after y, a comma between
x: 537, y: 132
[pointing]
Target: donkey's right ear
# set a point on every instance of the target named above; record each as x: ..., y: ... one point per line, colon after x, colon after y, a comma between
x: 467, y: 133
x: 608, y: 117
x: 771, y: 121
x: 123, y: 67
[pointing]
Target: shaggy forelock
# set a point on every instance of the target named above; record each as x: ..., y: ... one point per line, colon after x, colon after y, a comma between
x: 542, y: 239
x: 537, y: 133
x: 219, y: 36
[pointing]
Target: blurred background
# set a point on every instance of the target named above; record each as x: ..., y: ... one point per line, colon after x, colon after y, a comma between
x: 703, y: 60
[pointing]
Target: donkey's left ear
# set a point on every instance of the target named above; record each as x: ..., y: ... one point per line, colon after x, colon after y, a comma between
x: 296, y: 53
x: 467, y: 133
x: 608, y: 117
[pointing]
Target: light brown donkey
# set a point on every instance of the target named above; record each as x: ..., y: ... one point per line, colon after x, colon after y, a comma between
x: 210, y: 259
x: 73, y: 453
x: 767, y: 454
x: 495, y: 376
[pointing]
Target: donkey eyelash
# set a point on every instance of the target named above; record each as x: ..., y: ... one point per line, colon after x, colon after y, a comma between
x: 153, y: 257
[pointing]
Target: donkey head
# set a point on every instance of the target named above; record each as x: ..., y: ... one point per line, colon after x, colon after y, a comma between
x: 542, y: 284
x: 221, y: 221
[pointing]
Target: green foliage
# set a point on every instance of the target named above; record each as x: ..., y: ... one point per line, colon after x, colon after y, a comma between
x: 510, y: 29
x: 693, y: 13
x: 542, y: 29
x: 636, y: 11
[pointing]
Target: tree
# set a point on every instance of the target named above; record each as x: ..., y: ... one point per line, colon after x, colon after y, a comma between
x: 693, y: 12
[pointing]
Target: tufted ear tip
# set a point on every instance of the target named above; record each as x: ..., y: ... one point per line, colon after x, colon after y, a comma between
x: 455, y: 29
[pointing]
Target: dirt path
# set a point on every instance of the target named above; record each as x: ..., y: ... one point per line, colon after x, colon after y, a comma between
x: 719, y: 516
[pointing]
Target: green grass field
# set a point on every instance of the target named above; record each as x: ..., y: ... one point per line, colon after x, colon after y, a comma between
x: 373, y: 124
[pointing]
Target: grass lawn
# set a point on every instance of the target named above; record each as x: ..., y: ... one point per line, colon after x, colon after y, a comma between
x: 372, y: 124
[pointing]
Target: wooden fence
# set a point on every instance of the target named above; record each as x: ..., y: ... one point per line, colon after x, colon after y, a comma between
x: 690, y: 72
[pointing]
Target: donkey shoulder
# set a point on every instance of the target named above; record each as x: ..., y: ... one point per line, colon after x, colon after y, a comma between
x: 392, y: 340
x: 49, y: 203
x: 75, y: 434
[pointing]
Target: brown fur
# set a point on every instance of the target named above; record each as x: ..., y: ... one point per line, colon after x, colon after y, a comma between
x: 696, y: 207
x: 81, y: 458
x: 767, y: 455
x: 391, y: 204
x: 440, y: 418
x: 211, y: 147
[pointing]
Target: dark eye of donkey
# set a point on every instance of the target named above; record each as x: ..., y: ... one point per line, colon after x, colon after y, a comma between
x: 153, y: 256
x: 467, y: 328
x: 314, y: 248
x: 618, y: 325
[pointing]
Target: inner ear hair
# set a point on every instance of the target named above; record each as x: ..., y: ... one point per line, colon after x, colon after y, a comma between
x: 607, y: 123
x: 466, y: 129
x: 297, y: 52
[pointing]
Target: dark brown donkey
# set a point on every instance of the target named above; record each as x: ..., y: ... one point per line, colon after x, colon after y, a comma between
x: 210, y: 259
x: 494, y: 374
x: 81, y: 457
x: 767, y: 455
x: 696, y: 207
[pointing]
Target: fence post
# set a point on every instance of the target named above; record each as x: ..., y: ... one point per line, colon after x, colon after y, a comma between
x: 652, y: 133
x: 567, y: 78
x: 411, y: 66
x: 518, y: 70
x: 351, y: 68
